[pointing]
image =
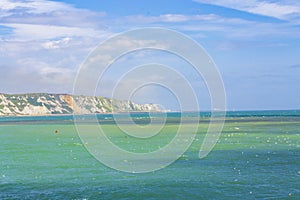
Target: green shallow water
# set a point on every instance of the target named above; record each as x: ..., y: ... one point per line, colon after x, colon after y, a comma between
x: 254, y: 159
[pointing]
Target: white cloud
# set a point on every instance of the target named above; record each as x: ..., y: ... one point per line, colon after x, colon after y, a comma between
x: 36, y: 75
x: 171, y: 18
x: 57, y: 43
x: 236, y: 28
x: 280, y: 9
x: 41, y: 20
x: 47, y: 41
x: 43, y: 32
x: 226, y: 27
x: 33, y: 6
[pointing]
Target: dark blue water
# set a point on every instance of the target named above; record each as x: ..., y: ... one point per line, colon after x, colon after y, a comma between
x: 143, y: 115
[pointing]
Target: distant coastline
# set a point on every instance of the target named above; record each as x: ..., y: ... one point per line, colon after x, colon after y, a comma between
x: 44, y: 104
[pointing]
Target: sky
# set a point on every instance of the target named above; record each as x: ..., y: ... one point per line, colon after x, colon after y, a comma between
x: 254, y: 43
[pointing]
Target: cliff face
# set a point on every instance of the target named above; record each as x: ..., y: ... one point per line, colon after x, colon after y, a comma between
x: 46, y: 104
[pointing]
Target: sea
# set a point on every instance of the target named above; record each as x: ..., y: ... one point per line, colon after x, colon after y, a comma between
x: 256, y: 157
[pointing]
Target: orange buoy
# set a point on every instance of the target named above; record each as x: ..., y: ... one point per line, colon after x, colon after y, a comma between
x: 56, y: 131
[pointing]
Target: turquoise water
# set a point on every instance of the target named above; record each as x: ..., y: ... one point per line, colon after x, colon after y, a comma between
x: 257, y: 157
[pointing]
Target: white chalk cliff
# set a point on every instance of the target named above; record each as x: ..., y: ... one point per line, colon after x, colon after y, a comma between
x: 47, y: 104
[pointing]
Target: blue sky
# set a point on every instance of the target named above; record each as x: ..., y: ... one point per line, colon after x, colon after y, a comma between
x: 254, y: 43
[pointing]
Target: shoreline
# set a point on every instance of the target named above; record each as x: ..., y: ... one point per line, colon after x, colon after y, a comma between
x: 171, y: 112
x: 70, y: 114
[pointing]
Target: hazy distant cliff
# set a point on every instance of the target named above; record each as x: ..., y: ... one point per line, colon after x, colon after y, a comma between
x: 46, y: 104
